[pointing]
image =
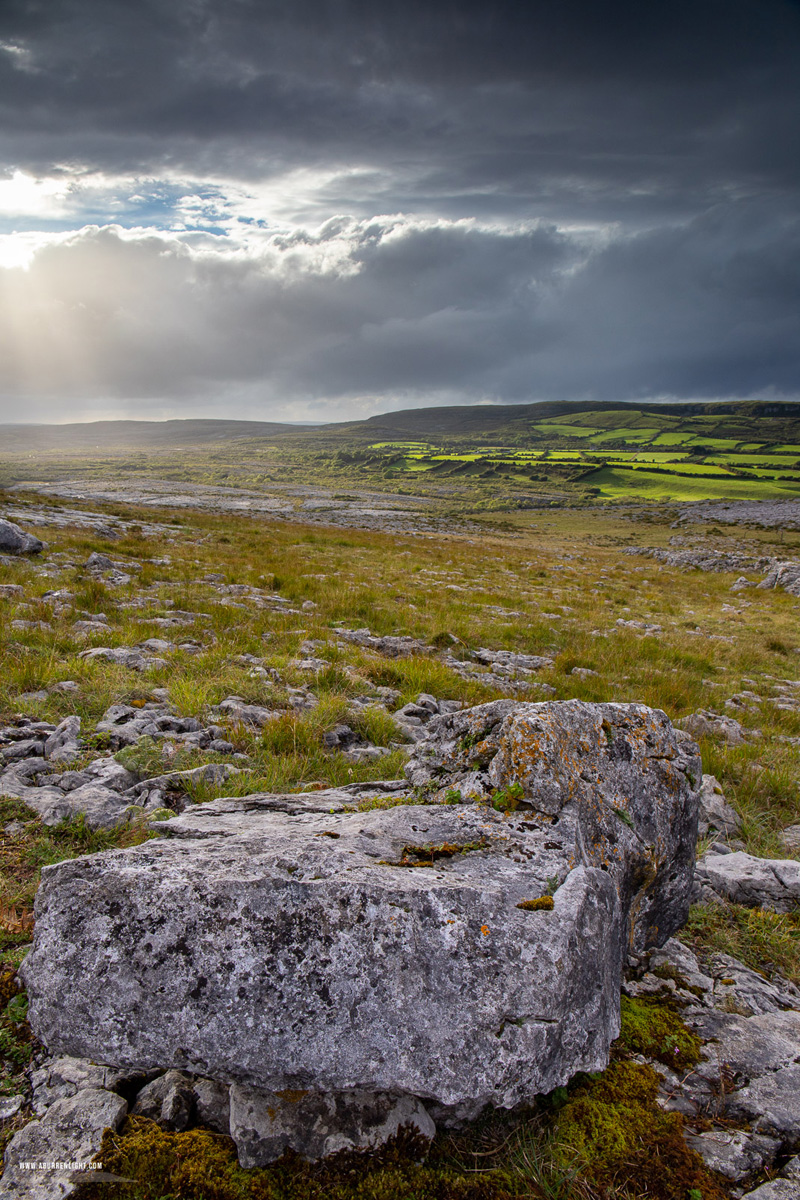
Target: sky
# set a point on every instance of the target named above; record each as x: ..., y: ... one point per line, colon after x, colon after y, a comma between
x: 325, y: 209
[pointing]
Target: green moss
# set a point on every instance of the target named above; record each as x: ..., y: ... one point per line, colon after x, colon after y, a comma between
x: 652, y: 1028
x: 627, y: 1144
x: 199, y: 1165
x: 16, y: 1039
x: 540, y: 904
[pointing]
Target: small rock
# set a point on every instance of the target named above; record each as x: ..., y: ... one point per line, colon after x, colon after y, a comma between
x: 109, y: 773
x: 706, y: 723
x: 772, y: 883
x: 715, y: 812
x: 59, y: 1078
x: 168, y: 1100
x: 62, y: 744
x: 771, y: 1103
x: 784, y: 575
x: 315, y: 1124
x: 735, y: 1154
x: 99, y: 562
x: 14, y: 540
x: 248, y: 714
x: 10, y: 1106
x: 776, y: 1189
x: 791, y: 837
x: 212, y: 1104
x: 792, y: 1169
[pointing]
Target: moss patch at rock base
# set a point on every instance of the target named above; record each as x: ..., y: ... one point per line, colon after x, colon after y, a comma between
x: 199, y: 1165
x: 652, y: 1028
x: 629, y: 1146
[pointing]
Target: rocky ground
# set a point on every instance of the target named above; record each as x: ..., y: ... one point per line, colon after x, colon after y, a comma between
x: 359, y: 510
x: 766, y: 514
x: 151, y: 694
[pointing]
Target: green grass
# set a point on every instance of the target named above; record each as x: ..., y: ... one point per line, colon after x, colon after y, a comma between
x: 765, y: 941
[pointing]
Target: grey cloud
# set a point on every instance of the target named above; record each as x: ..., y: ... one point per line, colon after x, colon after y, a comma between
x: 699, y: 310
x: 539, y: 109
x: 663, y: 135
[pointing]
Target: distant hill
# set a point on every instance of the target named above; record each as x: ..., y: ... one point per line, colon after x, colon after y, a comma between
x: 737, y: 419
x: 474, y: 419
x: 133, y: 435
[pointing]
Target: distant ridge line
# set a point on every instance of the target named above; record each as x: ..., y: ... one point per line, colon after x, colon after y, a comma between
x: 126, y: 434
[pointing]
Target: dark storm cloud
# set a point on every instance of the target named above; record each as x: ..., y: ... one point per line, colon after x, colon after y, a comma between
x: 631, y: 170
x: 569, y: 104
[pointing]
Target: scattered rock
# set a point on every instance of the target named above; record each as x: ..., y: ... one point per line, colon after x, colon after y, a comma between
x: 59, y: 1078
x: 212, y: 1104
x: 168, y: 1100
x: 784, y: 575
x: 775, y: 1189
x: 237, y: 710
x: 14, y: 540
x: 715, y: 812
x: 63, y: 744
x: 771, y: 1103
x: 99, y: 562
x: 706, y: 723
x: 791, y: 837
x: 391, y: 646
x: 513, y: 662
x: 704, y: 560
x: 735, y: 1154
x: 772, y: 883
x: 125, y: 656
x: 10, y: 1106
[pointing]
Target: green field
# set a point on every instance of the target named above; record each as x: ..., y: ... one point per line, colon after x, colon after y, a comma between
x: 620, y: 484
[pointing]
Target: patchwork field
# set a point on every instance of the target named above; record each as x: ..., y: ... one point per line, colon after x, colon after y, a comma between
x: 483, y: 459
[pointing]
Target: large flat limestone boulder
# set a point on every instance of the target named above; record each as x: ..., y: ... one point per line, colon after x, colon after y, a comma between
x: 450, y: 952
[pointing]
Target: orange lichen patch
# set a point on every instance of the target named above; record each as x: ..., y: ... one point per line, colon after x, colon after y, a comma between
x: 292, y: 1095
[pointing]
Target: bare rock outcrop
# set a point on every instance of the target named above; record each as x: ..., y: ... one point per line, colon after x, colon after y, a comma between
x: 443, y: 955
